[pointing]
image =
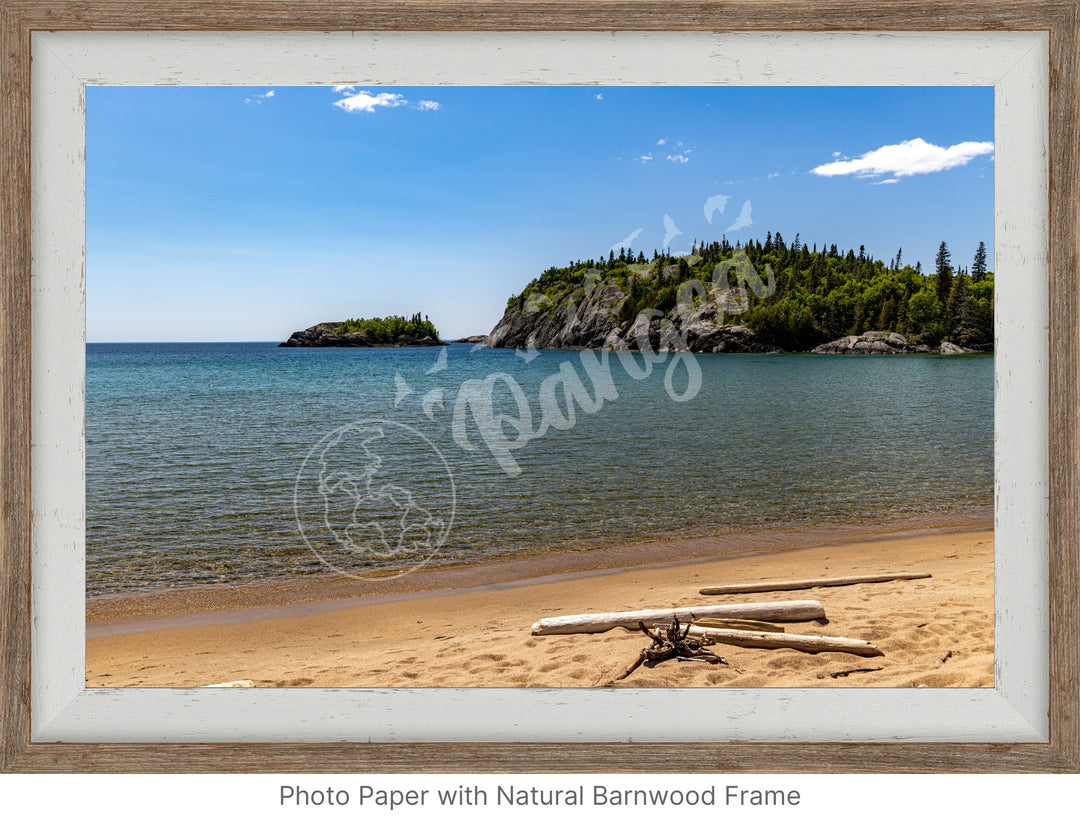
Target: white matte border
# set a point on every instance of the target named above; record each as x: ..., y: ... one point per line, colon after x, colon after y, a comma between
x: 1015, y: 710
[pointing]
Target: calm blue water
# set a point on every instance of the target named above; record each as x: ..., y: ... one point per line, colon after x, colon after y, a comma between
x: 197, y: 453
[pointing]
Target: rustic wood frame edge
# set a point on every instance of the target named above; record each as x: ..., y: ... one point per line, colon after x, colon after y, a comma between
x: 1061, y: 18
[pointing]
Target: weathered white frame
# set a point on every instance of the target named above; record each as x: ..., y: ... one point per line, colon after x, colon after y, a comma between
x: 1015, y: 710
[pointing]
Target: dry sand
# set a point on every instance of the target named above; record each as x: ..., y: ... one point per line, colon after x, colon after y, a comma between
x: 937, y: 632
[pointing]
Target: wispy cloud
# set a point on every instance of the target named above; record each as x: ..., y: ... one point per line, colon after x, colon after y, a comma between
x: 599, y: 96
x: 661, y: 142
x: 771, y: 176
x: 679, y: 158
x: 886, y: 181
x: 644, y: 159
x: 258, y: 99
x: 914, y: 157
x: 428, y: 106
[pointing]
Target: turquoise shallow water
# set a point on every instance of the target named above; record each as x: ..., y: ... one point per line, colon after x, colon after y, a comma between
x: 225, y: 463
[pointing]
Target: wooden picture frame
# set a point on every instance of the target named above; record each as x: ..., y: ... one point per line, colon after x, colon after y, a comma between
x: 20, y: 19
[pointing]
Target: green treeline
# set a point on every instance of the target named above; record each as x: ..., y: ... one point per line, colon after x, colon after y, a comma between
x: 387, y: 329
x: 820, y: 295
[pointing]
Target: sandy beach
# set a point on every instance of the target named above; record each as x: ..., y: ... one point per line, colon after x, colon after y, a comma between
x: 935, y: 632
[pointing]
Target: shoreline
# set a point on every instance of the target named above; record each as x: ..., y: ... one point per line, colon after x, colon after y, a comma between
x: 295, y: 597
x: 933, y: 632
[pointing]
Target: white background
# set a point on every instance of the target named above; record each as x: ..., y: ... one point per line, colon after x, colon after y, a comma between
x: 868, y: 800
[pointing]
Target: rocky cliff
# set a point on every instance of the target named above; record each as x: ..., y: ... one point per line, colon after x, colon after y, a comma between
x: 595, y: 317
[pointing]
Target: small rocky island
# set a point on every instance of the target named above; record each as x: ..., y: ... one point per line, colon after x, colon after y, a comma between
x: 381, y: 332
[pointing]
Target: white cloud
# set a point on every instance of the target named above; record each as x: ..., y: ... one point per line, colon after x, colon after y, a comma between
x: 681, y: 158
x: 771, y: 176
x: 836, y: 154
x: 644, y: 159
x: 366, y: 102
x: 344, y: 87
x: 914, y: 157
x: 661, y: 142
x: 258, y: 99
x: 887, y: 181
x: 599, y: 96
x: 428, y: 106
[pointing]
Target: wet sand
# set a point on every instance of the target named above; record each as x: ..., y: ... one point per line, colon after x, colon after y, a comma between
x: 471, y: 627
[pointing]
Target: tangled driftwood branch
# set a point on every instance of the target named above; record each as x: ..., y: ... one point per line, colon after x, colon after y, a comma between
x: 673, y: 642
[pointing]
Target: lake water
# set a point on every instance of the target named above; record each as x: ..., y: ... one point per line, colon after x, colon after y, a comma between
x: 226, y: 463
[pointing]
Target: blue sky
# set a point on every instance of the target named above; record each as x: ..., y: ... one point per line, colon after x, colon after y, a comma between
x: 243, y: 214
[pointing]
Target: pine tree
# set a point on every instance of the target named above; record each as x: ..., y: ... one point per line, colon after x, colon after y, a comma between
x: 944, y: 273
x: 978, y: 269
x: 960, y: 312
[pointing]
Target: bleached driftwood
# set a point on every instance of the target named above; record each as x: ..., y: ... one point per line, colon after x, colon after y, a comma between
x: 604, y: 621
x: 779, y: 586
x: 773, y: 641
x: 738, y: 624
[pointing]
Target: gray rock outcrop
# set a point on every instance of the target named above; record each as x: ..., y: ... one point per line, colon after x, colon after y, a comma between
x: 885, y: 342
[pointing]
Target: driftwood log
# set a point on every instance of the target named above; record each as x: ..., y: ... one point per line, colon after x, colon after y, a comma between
x: 780, y: 586
x: 602, y: 622
x: 772, y: 641
x: 738, y: 624
x: 845, y: 673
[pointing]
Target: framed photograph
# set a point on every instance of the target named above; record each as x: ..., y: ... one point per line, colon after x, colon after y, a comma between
x: 642, y: 357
